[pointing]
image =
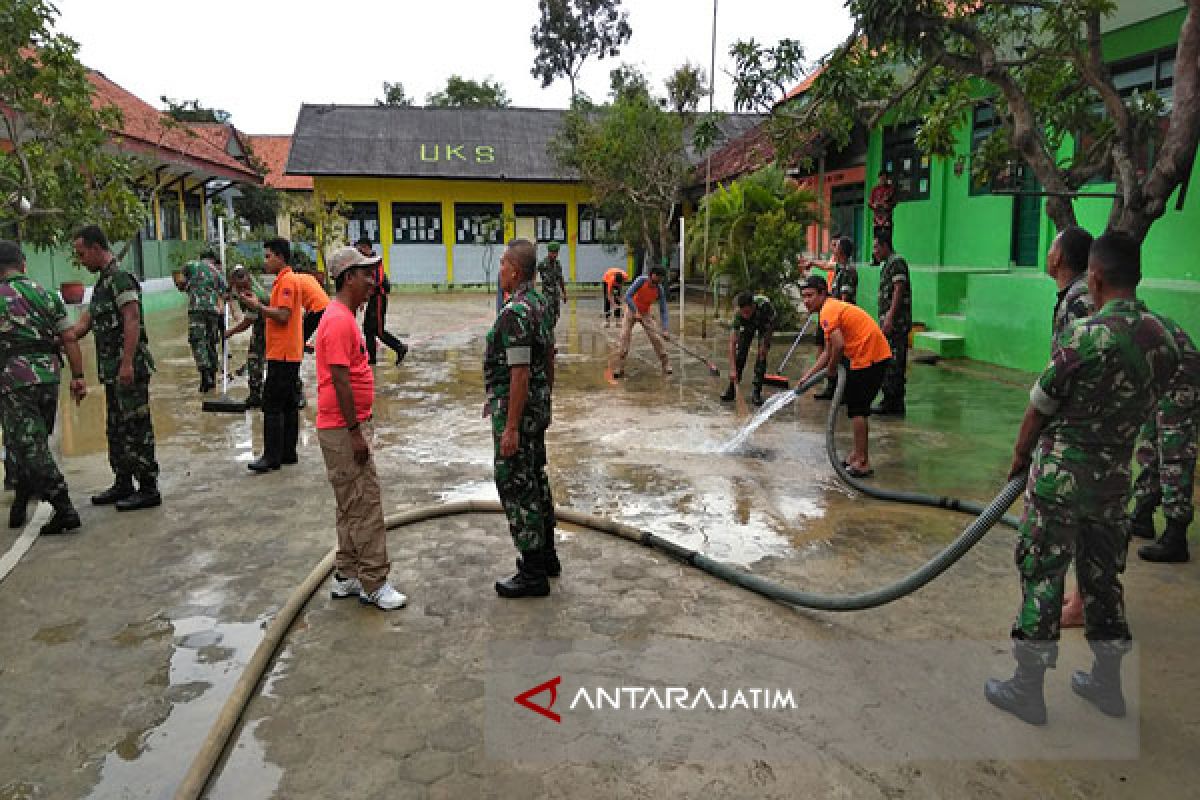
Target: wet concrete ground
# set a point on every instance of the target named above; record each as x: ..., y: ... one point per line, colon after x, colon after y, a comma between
x: 119, y: 644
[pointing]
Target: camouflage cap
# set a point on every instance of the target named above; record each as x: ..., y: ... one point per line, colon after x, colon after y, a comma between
x: 552, y: 247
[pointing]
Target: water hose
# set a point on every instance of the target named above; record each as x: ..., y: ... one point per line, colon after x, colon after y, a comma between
x: 206, y: 760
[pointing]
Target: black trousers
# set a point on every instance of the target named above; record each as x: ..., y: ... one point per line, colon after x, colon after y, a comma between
x: 742, y: 352
x: 612, y: 304
x: 281, y: 415
x: 373, y: 327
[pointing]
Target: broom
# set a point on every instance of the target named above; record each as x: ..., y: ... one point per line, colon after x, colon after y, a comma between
x: 224, y: 404
x: 778, y: 380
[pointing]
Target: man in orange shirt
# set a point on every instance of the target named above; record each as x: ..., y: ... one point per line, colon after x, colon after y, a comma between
x: 614, y: 284
x: 285, y: 350
x: 851, y: 332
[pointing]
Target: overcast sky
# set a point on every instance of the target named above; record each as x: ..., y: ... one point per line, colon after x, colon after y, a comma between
x: 260, y: 59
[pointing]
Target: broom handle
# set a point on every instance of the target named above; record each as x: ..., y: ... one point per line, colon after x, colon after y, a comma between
x: 224, y: 354
x: 800, y: 336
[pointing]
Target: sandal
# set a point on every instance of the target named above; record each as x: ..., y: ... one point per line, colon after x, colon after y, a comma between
x: 855, y: 472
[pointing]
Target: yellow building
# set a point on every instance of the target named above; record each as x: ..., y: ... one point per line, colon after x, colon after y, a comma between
x: 436, y: 190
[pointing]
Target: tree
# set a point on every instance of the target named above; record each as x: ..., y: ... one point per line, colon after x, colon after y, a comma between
x: 56, y: 169
x: 1040, y: 65
x: 465, y: 93
x: 686, y: 87
x: 258, y: 205
x: 631, y: 155
x: 192, y: 111
x: 320, y: 219
x: 393, y: 95
x: 569, y: 32
x: 756, y: 226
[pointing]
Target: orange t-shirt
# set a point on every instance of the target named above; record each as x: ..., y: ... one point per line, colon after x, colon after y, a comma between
x: 312, y: 295
x: 283, y: 339
x: 610, y: 277
x: 865, y: 342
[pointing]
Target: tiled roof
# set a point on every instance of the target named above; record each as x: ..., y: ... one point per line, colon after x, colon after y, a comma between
x: 804, y: 85
x: 191, y: 145
x: 273, y: 152
x: 746, y: 153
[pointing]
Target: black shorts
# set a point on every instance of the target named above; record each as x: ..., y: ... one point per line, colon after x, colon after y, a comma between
x: 861, y: 387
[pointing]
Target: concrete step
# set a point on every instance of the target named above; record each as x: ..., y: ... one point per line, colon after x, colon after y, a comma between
x: 946, y: 345
x: 952, y: 323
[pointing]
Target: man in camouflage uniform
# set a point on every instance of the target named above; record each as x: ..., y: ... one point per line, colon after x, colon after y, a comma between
x: 754, y: 315
x: 32, y: 320
x: 1066, y: 264
x: 1075, y: 445
x: 256, y: 354
x: 206, y: 289
x: 1167, y: 455
x: 124, y: 364
x: 554, y: 287
x: 895, y: 320
x: 518, y: 370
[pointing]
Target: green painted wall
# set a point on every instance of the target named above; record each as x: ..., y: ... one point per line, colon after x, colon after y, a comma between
x: 52, y: 267
x: 959, y: 247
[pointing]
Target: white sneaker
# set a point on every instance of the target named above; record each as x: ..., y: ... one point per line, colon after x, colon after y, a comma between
x: 345, y: 587
x: 385, y: 597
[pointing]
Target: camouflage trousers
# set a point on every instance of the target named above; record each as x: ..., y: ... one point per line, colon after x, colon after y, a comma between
x: 1167, y: 455
x: 524, y: 488
x: 894, y: 377
x: 256, y: 359
x: 130, y: 431
x: 743, y: 352
x: 1050, y: 536
x: 28, y: 416
x: 204, y: 335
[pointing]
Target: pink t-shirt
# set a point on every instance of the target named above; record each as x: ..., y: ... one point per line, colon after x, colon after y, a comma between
x: 340, y: 343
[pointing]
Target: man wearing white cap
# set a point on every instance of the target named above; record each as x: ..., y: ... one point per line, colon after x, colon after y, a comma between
x: 345, y: 395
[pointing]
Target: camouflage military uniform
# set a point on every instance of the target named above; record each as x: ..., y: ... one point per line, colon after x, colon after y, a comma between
x: 551, y: 274
x: 1167, y: 444
x: 256, y: 353
x: 128, y: 425
x: 31, y: 319
x: 1074, y: 303
x: 895, y: 271
x: 844, y: 285
x: 1102, y: 381
x: 205, y: 286
x: 760, y: 323
x: 520, y: 336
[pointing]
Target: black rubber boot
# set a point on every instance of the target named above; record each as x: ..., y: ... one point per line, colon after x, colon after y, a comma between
x: 1021, y: 695
x: 530, y: 580
x: 291, y: 434
x: 730, y: 394
x: 18, y: 512
x: 146, y: 496
x: 65, y: 518
x: 1172, y: 547
x: 549, y: 554
x: 757, y: 397
x: 121, y: 488
x: 1141, y: 522
x: 272, y: 433
x: 254, y: 400
x: 1102, y: 686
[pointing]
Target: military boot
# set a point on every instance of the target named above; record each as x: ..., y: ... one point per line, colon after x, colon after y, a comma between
x: 272, y: 434
x: 121, y: 488
x: 530, y: 580
x: 730, y: 394
x: 146, y: 496
x: 1102, y: 686
x: 1021, y: 695
x: 549, y: 557
x: 757, y: 397
x: 254, y: 400
x: 206, y: 381
x: 65, y: 518
x: 1141, y: 523
x: 18, y: 512
x: 1172, y: 546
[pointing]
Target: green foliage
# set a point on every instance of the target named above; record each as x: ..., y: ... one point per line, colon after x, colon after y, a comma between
x: 569, y: 32
x: 394, y: 95
x: 631, y: 155
x: 466, y: 93
x: 192, y: 111
x: 686, y: 87
x: 756, y: 226
x: 56, y: 159
x: 627, y: 82
x: 258, y: 205
x: 318, y: 218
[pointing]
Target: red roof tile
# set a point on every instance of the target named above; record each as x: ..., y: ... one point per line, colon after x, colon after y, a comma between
x: 739, y: 156
x: 804, y: 85
x: 143, y: 130
x: 273, y: 152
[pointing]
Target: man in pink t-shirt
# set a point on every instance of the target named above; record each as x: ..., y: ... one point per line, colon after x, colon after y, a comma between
x: 345, y: 395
